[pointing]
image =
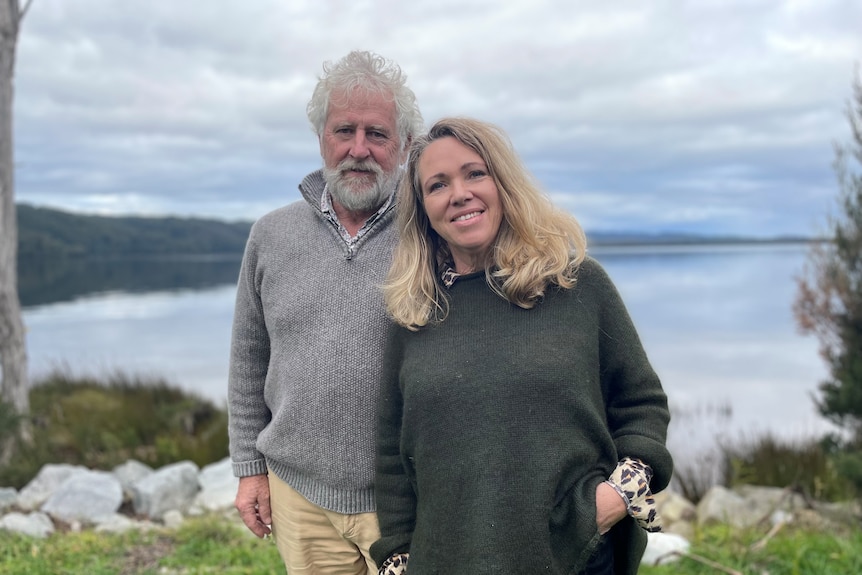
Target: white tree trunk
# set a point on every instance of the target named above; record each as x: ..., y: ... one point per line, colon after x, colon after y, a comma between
x: 13, y: 355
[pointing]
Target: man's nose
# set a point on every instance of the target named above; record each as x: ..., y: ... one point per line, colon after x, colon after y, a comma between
x: 359, y: 147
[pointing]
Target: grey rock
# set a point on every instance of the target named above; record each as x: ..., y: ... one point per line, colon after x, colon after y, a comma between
x: 841, y: 512
x: 40, y: 488
x: 171, y: 487
x: 674, y: 507
x: 767, y: 500
x: 218, y: 487
x: 33, y: 524
x: 172, y: 519
x: 129, y: 472
x: 8, y: 497
x: 118, y: 523
x: 678, y: 514
x: 85, y: 497
x: 721, y: 505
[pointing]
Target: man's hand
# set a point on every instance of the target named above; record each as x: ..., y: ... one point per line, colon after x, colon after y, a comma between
x: 610, y: 507
x: 252, y: 502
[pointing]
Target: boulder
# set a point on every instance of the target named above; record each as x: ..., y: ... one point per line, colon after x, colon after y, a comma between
x: 40, y: 488
x: 678, y: 514
x: 8, y: 497
x: 848, y: 512
x: 87, y: 497
x: 218, y: 487
x: 768, y: 500
x: 721, y: 505
x: 119, y: 523
x: 33, y: 524
x: 171, y: 487
x: 129, y: 472
x: 172, y: 519
x: 747, y: 505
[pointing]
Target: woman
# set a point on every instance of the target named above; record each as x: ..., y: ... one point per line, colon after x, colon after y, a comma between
x: 519, y: 413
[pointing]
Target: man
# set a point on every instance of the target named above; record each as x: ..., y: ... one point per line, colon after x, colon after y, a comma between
x: 309, y: 328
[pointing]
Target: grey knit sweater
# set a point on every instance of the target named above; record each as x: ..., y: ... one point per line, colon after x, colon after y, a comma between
x: 308, y: 336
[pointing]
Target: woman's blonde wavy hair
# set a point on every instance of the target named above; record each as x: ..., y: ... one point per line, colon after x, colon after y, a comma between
x: 538, y: 244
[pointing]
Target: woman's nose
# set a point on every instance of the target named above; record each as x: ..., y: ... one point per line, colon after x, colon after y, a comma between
x: 460, y: 192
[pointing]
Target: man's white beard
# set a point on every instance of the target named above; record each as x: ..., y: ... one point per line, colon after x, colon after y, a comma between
x: 358, y: 195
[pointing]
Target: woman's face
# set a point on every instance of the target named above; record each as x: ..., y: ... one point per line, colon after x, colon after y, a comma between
x: 461, y: 200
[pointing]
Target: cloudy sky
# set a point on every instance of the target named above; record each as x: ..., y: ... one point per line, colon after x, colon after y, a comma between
x: 709, y: 116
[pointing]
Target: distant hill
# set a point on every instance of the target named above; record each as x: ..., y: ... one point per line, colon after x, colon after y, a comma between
x: 45, y: 233
x: 603, y: 238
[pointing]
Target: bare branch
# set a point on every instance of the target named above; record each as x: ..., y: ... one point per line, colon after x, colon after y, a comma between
x: 23, y: 11
x: 772, y: 532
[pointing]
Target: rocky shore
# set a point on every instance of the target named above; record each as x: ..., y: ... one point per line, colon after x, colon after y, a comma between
x: 135, y: 496
x: 131, y: 496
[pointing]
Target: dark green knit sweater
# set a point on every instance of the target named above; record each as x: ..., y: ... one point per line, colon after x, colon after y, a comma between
x: 497, y: 425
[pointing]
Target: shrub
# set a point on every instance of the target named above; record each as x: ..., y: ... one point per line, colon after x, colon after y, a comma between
x: 847, y: 456
x: 100, y: 423
x: 805, y: 465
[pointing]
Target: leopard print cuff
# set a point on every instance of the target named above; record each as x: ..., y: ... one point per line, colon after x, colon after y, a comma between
x: 395, y: 565
x: 631, y: 480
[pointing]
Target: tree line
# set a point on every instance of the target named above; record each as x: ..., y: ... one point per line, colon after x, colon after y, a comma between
x: 45, y: 233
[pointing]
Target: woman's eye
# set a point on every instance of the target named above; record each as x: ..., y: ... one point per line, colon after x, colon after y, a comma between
x: 477, y: 173
x: 434, y: 187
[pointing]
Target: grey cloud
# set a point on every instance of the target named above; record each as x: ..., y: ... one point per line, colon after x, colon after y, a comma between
x: 649, y: 115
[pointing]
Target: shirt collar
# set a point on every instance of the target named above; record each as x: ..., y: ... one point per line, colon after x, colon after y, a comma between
x: 326, y: 208
x: 449, y: 276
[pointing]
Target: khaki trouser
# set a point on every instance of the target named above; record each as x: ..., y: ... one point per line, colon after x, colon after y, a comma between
x: 314, y: 541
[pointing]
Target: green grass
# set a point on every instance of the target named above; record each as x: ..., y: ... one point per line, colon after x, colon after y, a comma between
x: 101, y: 423
x: 215, y: 544
x: 201, y: 545
x: 790, y: 552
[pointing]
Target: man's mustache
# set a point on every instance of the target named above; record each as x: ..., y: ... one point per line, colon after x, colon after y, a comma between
x: 364, y: 166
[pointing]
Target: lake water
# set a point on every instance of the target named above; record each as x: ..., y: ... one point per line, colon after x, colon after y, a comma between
x: 716, y: 322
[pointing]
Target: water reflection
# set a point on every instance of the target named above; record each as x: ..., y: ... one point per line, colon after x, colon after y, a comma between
x: 718, y: 326
x: 716, y: 322
x: 180, y: 335
x: 58, y: 280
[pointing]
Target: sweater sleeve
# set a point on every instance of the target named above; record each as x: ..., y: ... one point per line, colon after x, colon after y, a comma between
x: 636, y: 404
x: 249, y: 359
x: 396, y: 499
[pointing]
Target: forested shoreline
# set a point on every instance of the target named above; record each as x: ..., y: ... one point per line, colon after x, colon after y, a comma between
x: 46, y: 233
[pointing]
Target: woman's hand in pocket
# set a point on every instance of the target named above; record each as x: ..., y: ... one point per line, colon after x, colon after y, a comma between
x: 610, y: 507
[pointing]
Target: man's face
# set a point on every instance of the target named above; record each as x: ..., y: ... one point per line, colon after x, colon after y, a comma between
x: 361, y: 150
